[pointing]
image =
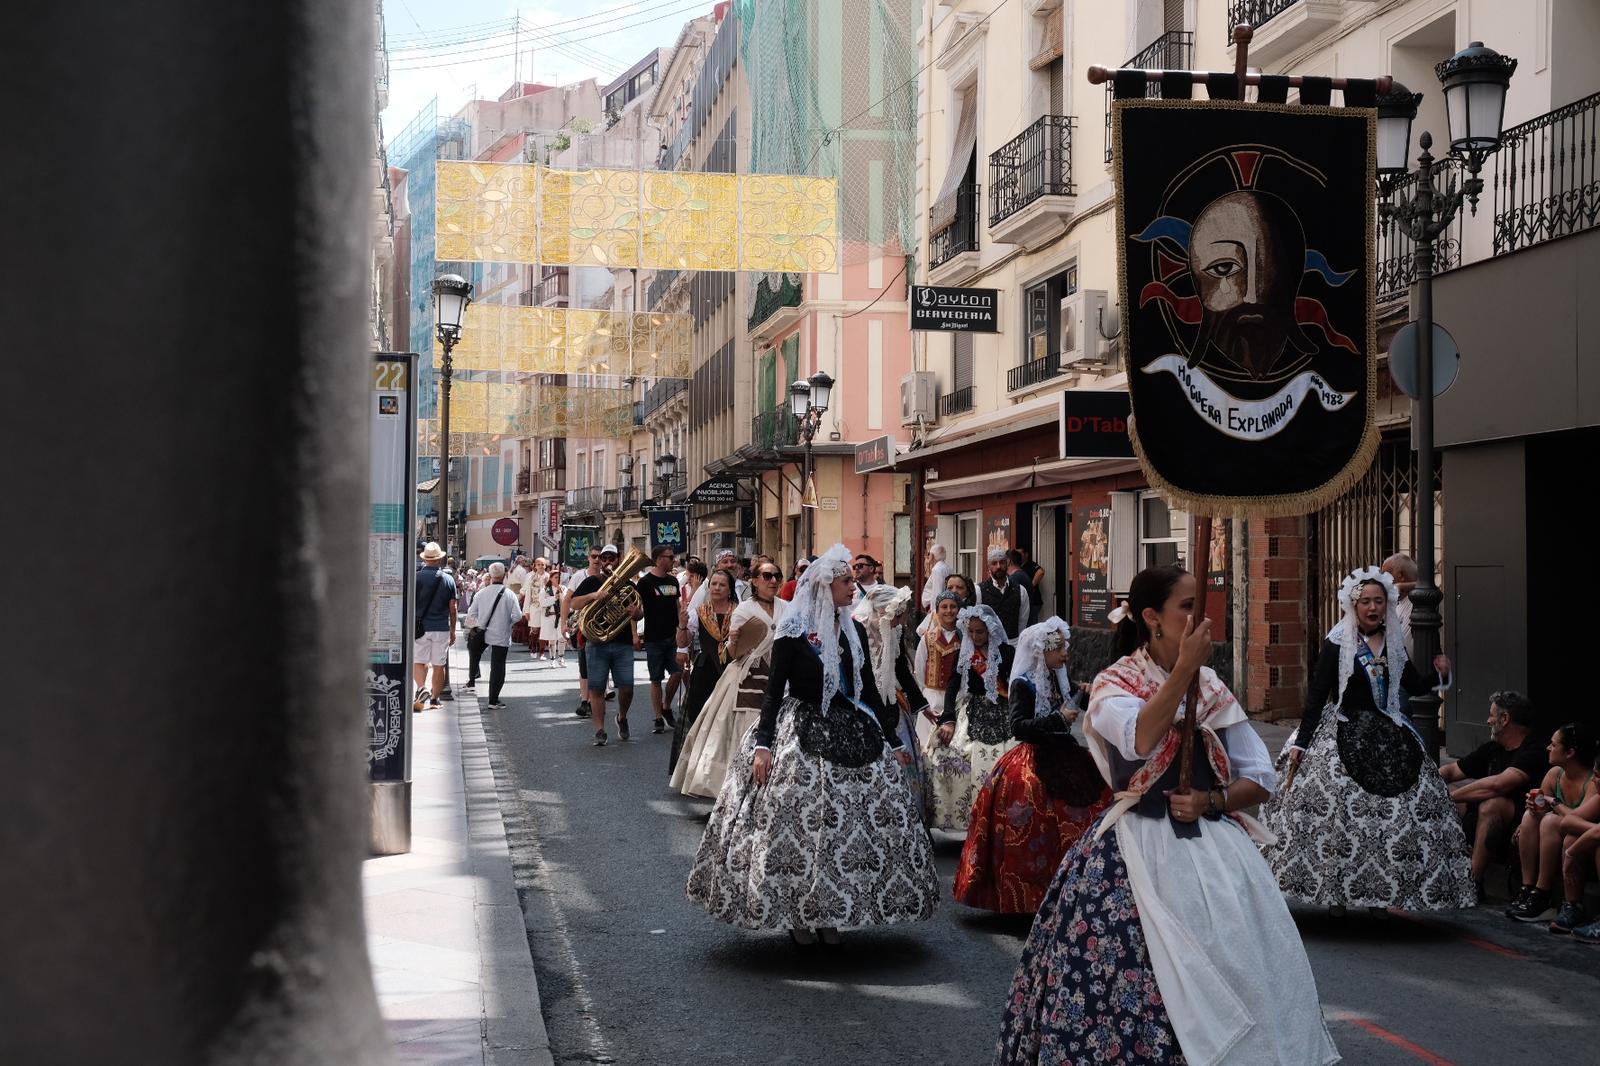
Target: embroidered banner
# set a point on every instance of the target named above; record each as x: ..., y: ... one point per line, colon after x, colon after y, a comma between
x: 1246, y: 259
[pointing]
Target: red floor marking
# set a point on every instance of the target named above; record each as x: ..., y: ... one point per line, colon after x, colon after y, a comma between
x: 1477, y: 942
x: 1391, y: 1038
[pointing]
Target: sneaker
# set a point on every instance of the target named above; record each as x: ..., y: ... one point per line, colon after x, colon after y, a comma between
x: 1517, y: 900
x: 581, y: 710
x: 434, y: 703
x: 1532, y: 906
x: 659, y: 726
x: 446, y: 694
x: 1568, y: 918
x: 666, y: 716
x: 472, y: 686
x: 1587, y: 934
x: 611, y: 693
x: 599, y: 738
x: 497, y: 706
x: 622, y: 729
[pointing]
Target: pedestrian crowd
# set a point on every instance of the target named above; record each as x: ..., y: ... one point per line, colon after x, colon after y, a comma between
x: 833, y: 730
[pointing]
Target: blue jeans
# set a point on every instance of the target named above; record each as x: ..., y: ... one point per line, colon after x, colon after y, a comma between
x: 613, y: 660
x: 661, y: 659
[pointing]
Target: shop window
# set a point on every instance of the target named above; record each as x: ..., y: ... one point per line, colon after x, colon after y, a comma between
x: 1163, y: 532
x: 967, y: 546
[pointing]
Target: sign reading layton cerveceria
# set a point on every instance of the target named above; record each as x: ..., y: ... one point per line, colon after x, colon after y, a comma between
x: 942, y: 309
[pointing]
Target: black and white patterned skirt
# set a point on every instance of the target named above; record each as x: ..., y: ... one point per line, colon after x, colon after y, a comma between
x: 821, y: 845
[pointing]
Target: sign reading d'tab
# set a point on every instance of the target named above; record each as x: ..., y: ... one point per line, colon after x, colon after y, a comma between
x: 1094, y: 425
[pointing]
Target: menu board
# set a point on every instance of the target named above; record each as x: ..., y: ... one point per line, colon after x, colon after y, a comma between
x: 1091, y: 526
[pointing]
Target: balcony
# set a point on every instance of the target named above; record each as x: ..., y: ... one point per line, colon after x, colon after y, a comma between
x: 1173, y: 50
x: 955, y: 403
x: 552, y: 291
x: 1545, y: 181
x: 1033, y: 373
x: 1031, y: 195
x: 638, y: 414
x: 620, y: 501
x: 774, y: 429
x: 769, y: 301
x: 657, y: 289
x: 551, y: 479
x: 585, y: 500
x: 953, y: 251
x: 1281, y: 26
x: 524, y: 485
x: 1397, y: 267
x: 657, y: 395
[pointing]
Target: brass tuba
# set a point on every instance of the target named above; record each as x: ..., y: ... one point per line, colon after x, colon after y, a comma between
x: 602, y: 619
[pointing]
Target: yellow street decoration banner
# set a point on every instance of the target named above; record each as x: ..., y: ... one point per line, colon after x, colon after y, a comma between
x: 652, y: 220
x: 484, y: 412
x: 514, y: 340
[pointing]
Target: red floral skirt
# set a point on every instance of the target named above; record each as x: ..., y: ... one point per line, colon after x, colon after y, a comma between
x: 1018, y: 836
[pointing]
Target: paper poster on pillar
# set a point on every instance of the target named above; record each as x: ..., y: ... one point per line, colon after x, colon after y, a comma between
x: 1246, y: 257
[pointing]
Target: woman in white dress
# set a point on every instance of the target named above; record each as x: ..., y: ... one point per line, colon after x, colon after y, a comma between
x: 549, y: 616
x: 712, y: 741
x: 938, y: 648
x: 975, y: 726
x: 881, y: 612
x: 1163, y: 937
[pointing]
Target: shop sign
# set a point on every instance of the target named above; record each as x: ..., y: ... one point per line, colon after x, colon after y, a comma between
x: 945, y: 309
x: 505, y: 532
x: 718, y: 490
x: 876, y: 454
x: 1094, y: 425
x: 1092, y: 525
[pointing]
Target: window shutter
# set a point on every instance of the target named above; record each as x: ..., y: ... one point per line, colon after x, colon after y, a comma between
x: 962, y: 371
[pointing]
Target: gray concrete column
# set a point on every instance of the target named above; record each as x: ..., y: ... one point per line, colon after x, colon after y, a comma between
x: 187, y: 200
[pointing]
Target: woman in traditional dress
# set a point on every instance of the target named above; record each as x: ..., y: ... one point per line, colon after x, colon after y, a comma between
x: 975, y: 725
x: 711, y: 743
x: 1163, y: 937
x: 549, y: 603
x: 1042, y: 794
x: 937, y: 651
x: 814, y: 829
x: 707, y: 627
x: 881, y: 612
x: 1363, y: 818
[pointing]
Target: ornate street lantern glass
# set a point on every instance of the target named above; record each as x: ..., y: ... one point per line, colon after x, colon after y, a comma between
x: 1475, y: 80
x: 799, y: 399
x: 667, y: 465
x: 451, y: 295
x: 1395, y: 113
x: 821, y: 390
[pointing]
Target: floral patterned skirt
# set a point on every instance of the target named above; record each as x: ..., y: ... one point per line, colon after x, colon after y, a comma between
x: 1084, y: 991
x: 1018, y: 835
x: 956, y: 771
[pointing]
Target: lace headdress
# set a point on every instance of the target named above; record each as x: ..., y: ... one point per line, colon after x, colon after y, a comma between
x: 1394, y: 644
x: 812, y: 611
x: 1050, y: 635
x: 997, y: 637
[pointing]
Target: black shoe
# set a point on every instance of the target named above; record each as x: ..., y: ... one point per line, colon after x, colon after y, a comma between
x: 611, y: 693
x: 472, y: 686
x: 1531, y: 907
x: 622, y: 729
x: 1516, y: 900
x: 497, y: 706
x: 599, y: 738
x: 666, y: 716
x: 1568, y: 918
x: 659, y: 726
x: 434, y: 703
x: 582, y: 710
x: 446, y: 694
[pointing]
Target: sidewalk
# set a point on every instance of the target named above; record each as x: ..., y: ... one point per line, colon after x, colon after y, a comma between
x: 445, y: 932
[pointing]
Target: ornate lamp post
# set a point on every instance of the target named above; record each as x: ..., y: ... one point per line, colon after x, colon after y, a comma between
x: 1475, y: 80
x: 451, y: 295
x: 808, y: 402
x: 666, y: 470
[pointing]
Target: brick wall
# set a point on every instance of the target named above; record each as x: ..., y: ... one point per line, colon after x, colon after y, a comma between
x: 1277, y: 611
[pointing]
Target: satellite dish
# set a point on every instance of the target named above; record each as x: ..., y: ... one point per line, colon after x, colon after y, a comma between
x: 1403, y: 360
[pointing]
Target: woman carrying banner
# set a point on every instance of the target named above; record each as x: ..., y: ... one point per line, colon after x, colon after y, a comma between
x: 1042, y: 794
x: 814, y: 829
x: 704, y: 628
x: 975, y: 726
x: 881, y: 612
x: 937, y: 651
x: 1363, y: 818
x: 735, y: 704
x: 1163, y: 933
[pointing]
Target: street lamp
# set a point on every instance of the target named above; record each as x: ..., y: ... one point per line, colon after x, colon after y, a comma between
x: 1475, y: 80
x: 666, y: 469
x: 808, y: 402
x: 451, y: 295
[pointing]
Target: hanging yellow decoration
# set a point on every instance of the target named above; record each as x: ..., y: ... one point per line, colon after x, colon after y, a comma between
x: 691, y: 221
x: 485, y: 213
x: 790, y: 224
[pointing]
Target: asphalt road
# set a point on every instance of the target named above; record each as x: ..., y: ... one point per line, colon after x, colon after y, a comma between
x: 631, y: 972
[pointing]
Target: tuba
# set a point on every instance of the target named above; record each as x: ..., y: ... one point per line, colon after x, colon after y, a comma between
x: 604, y: 618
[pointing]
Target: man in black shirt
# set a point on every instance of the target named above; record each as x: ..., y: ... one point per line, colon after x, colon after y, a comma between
x: 1004, y: 596
x: 609, y: 660
x: 658, y: 593
x: 1489, y: 782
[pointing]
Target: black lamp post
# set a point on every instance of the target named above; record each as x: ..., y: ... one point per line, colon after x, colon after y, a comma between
x: 666, y: 469
x: 1475, y: 80
x: 451, y: 295
x: 808, y: 402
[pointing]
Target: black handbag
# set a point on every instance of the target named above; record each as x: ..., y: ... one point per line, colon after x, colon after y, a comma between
x: 478, y: 636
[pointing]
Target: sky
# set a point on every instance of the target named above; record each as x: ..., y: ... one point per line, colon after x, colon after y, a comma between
x: 459, y: 50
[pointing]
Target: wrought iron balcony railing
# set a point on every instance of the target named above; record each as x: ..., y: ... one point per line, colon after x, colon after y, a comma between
x: 1173, y: 50
x: 1396, y: 268
x: 621, y: 501
x: 777, y: 428
x: 524, y: 482
x: 962, y: 234
x: 552, y: 479
x: 657, y: 395
x: 1254, y: 13
x: 955, y: 403
x: 585, y: 499
x: 658, y: 287
x: 1545, y: 181
x: 1031, y: 373
x: 1037, y: 162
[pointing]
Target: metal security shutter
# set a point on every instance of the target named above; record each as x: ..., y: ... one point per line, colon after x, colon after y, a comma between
x: 1058, y: 87
x: 962, y: 370
x: 1172, y: 15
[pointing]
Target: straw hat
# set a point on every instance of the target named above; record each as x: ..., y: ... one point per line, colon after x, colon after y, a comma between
x: 432, y: 553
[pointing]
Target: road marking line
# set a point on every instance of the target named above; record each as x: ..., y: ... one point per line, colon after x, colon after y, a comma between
x: 1392, y: 1038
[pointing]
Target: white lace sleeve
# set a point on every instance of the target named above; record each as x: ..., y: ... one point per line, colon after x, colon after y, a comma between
x: 1116, y: 718
x: 1249, y: 756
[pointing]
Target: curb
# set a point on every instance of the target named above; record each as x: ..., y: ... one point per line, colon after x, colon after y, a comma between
x: 513, y: 1018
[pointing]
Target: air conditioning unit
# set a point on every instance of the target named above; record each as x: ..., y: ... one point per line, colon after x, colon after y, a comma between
x: 919, y: 398
x: 1081, y: 340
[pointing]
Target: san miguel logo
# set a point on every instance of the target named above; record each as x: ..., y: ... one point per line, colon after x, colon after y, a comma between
x: 1246, y: 254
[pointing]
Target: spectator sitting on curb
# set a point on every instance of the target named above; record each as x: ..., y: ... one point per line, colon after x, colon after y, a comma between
x: 1568, y: 788
x: 1486, y: 782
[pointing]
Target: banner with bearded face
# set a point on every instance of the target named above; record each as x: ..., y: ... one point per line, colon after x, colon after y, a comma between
x: 1246, y: 255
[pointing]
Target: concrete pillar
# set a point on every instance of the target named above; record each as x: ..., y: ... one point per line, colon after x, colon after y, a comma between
x: 188, y: 193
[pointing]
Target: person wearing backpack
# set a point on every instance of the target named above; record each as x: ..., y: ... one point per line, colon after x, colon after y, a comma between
x: 494, y: 611
x: 435, y: 627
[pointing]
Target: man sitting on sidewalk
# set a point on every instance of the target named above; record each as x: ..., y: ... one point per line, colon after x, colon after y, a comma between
x: 1487, y: 782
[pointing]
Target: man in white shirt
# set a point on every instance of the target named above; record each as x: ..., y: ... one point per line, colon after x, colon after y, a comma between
x: 938, y: 573
x: 518, y: 578
x: 496, y: 610
x: 1403, y: 569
